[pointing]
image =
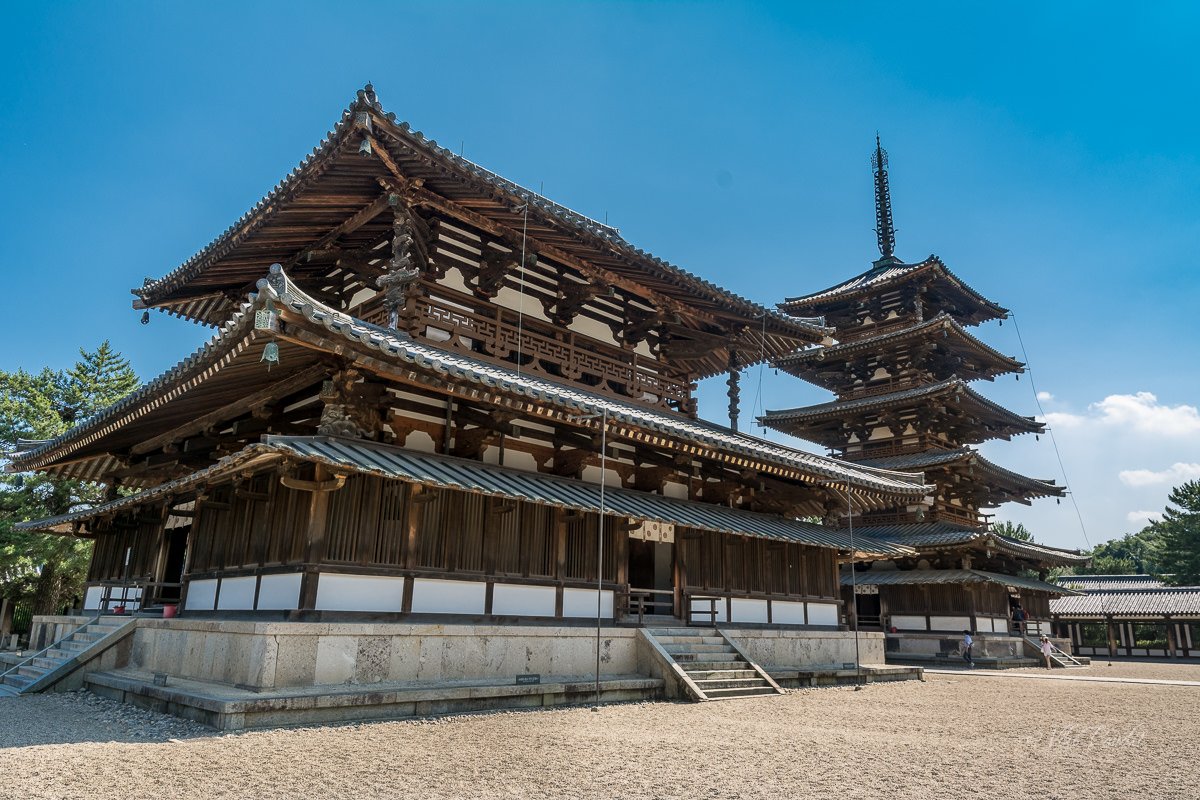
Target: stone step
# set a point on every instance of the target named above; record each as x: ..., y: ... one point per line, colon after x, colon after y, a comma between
x: 718, y: 674
x: 675, y: 649
x: 71, y: 644
x: 668, y: 640
x: 710, y: 666
x: 7, y: 691
x: 48, y: 663
x: 31, y: 672
x: 693, y: 660
x: 689, y: 632
x: 60, y: 654
x: 729, y: 694
x: 19, y: 681
x: 732, y: 683
x: 88, y: 636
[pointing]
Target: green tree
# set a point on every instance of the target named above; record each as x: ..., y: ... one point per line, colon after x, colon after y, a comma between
x: 49, y: 568
x: 1133, y: 554
x: 1013, y: 531
x: 1180, y: 532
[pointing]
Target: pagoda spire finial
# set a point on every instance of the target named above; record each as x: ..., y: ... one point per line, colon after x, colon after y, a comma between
x: 885, y: 231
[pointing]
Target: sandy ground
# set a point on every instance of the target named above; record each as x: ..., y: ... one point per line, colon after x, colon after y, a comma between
x: 950, y: 737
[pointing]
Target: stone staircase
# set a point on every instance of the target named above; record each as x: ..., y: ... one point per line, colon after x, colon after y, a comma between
x: 43, y: 669
x: 1058, y: 658
x: 712, y: 667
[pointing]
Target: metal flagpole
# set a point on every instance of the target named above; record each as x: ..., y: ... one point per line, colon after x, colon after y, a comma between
x: 854, y: 591
x: 600, y: 546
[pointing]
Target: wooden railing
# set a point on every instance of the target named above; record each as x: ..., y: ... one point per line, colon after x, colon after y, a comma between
x: 544, y: 349
x: 709, y: 613
x: 640, y: 602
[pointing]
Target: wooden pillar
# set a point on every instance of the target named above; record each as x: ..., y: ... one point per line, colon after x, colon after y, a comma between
x: 314, y: 551
x: 1170, y: 638
x: 560, y: 558
x: 1112, y: 638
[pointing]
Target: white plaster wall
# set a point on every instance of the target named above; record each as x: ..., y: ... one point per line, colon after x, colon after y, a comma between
x: 591, y: 474
x: 279, y: 592
x: 908, y: 623
x: 787, y: 612
x: 677, y: 490
x: 582, y: 603
x: 237, y: 594
x: 91, y: 598
x: 949, y: 623
x: 420, y: 441
x: 516, y: 459
x: 359, y: 593
x: 591, y: 328
x: 201, y: 595
x: 705, y: 606
x: 448, y: 597
x: 822, y: 614
x: 744, y: 610
x: 529, y: 306
x: 523, y: 601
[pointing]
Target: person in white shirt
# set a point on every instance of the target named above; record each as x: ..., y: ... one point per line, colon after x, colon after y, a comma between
x: 1047, y: 649
x: 967, y: 641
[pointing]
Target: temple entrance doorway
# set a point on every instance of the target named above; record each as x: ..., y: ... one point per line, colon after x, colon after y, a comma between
x: 651, y: 578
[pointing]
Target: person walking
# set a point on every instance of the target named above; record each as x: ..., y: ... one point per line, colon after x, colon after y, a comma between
x: 967, y: 641
x: 1047, y: 649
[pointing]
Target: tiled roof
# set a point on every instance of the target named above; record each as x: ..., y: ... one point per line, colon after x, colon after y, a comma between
x: 596, y: 233
x: 935, y: 458
x: 888, y: 272
x: 944, y: 534
x: 942, y: 321
x: 350, y: 455
x: 394, y: 344
x: 910, y: 577
x: 1181, y: 601
x: 1091, y: 583
x: 953, y: 385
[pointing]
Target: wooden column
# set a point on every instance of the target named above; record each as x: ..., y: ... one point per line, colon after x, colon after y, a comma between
x: 1170, y: 638
x: 1112, y: 638
x: 734, y: 389
x: 314, y: 551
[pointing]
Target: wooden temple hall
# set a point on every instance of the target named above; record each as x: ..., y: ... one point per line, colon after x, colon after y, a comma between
x: 902, y: 369
x: 433, y: 394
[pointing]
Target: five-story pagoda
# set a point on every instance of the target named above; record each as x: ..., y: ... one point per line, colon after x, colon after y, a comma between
x: 901, y: 367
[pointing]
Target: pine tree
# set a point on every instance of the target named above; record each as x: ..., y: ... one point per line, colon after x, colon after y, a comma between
x: 1180, y: 530
x: 49, y: 568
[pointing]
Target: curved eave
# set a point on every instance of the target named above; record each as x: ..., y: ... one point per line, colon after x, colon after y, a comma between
x: 594, y: 237
x: 886, y: 275
x: 797, y: 418
x: 969, y: 458
x: 802, y: 363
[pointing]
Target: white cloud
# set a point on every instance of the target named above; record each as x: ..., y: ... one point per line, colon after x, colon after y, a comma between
x: 1145, y: 414
x: 1140, y: 413
x: 1143, y: 518
x: 1045, y: 397
x: 1177, y: 473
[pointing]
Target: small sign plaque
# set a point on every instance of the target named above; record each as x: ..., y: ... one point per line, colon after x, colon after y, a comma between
x: 529, y: 679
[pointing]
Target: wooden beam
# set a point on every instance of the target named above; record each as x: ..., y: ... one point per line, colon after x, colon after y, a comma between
x: 292, y: 383
x: 422, y: 196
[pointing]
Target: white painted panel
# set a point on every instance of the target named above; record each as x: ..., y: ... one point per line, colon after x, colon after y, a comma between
x: 592, y: 475
x: 448, y: 597
x: 523, y: 601
x: 593, y: 329
x: 237, y: 594
x: 822, y: 614
x: 279, y: 592
x: 201, y: 594
x: 744, y: 610
x: 91, y: 598
x: 582, y: 603
x: 513, y: 300
x: 949, y: 623
x: 787, y: 612
x: 359, y: 592
x: 906, y: 623
x: 421, y: 442
x: 705, y: 606
x: 516, y: 459
x: 677, y: 490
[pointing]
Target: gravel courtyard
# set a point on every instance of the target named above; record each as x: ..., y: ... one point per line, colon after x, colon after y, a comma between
x: 950, y: 737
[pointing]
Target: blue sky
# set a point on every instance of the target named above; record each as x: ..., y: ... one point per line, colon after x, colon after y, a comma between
x: 1047, y: 154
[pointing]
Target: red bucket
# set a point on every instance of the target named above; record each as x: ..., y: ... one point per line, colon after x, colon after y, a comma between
x: 169, y: 611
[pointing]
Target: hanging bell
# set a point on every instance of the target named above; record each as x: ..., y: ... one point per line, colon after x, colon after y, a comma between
x: 1037, y: 438
x: 270, y: 354
x: 1058, y: 501
x: 145, y: 317
x: 364, y: 147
